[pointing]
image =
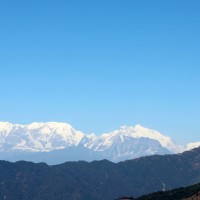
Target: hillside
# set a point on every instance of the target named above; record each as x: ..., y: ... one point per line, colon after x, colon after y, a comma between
x: 184, y: 193
x: 98, y: 179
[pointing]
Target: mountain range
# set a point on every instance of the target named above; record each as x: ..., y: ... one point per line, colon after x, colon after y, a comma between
x: 98, y: 179
x: 54, y: 143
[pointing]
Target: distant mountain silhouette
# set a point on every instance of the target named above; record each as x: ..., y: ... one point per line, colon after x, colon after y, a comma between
x: 99, y: 179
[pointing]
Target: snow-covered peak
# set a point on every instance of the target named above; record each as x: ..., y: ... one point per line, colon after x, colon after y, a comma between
x: 138, y: 126
x: 49, y: 128
x: 39, y: 136
x: 106, y: 140
x: 50, y: 125
x: 191, y: 146
x: 91, y: 136
x: 139, y: 131
x: 48, y: 136
x: 6, y: 128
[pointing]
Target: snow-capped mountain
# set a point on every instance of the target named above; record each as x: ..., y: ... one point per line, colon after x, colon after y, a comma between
x: 105, y: 141
x: 132, y: 142
x: 38, y: 136
x: 191, y: 146
x: 49, y: 141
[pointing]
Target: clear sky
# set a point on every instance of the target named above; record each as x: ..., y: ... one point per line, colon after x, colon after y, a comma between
x: 100, y: 64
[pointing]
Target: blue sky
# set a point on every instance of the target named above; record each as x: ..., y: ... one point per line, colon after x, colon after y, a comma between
x: 102, y: 64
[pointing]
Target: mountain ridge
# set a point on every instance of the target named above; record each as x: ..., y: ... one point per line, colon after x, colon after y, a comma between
x: 52, y: 137
x: 98, y: 180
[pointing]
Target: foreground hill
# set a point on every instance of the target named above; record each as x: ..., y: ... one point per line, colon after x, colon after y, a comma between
x: 184, y: 193
x: 99, y: 179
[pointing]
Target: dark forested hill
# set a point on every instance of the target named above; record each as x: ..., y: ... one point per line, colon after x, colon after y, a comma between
x: 99, y: 180
x: 184, y: 193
